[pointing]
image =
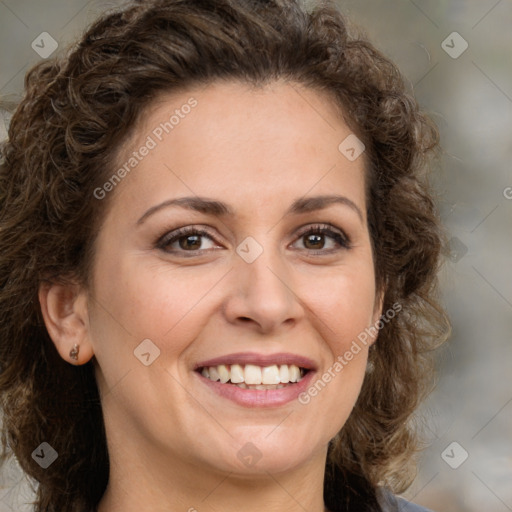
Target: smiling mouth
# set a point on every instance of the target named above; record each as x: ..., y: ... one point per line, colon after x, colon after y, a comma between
x: 250, y: 376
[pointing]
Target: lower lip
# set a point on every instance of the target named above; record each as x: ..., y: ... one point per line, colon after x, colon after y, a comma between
x: 259, y: 397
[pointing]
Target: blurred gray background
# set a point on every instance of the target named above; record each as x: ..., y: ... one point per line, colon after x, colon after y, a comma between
x: 457, y: 56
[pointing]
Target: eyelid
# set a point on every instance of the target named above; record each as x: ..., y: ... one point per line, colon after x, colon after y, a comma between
x: 323, y: 227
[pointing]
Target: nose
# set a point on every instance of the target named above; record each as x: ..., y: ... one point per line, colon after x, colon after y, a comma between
x: 263, y: 293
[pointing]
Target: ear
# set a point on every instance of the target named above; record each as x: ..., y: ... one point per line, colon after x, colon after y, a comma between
x: 378, y: 305
x: 65, y: 313
x: 377, y: 310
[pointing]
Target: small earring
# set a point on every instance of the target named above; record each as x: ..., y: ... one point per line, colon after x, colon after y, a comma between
x: 370, y: 365
x: 73, y: 354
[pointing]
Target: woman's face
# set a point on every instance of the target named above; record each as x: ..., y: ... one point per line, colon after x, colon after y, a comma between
x: 262, y: 288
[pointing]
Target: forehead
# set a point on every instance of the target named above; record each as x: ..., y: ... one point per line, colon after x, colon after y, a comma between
x: 232, y: 140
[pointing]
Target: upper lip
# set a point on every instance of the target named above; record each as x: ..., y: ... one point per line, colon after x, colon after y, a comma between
x: 243, y: 358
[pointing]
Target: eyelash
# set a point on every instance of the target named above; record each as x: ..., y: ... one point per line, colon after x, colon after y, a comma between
x: 169, y: 238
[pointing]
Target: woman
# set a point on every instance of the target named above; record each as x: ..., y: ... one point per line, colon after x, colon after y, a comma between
x: 218, y: 267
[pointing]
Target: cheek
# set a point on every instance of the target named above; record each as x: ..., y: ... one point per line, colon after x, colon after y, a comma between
x: 344, y: 312
x: 345, y: 306
x: 168, y: 305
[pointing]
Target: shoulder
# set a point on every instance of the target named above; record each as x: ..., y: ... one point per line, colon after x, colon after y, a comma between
x: 402, y: 505
x: 392, y: 503
x: 407, y: 506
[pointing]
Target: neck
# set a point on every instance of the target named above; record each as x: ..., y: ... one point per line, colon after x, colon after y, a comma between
x: 142, y: 480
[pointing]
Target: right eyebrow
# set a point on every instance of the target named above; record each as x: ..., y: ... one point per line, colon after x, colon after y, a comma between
x: 198, y: 204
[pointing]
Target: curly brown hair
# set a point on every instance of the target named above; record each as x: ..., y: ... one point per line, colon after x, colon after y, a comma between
x: 77, y: 111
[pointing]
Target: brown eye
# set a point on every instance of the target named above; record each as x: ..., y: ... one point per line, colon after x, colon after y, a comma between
x: 190, y: 242
x: 314, y: 241
x: 324, y: 240
x: 184, y: 240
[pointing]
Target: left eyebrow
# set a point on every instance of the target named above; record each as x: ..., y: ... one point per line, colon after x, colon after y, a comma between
x: 220, y: 209
x: 309, y: 204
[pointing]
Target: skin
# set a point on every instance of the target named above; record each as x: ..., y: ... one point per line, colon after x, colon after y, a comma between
x: 173, y: 443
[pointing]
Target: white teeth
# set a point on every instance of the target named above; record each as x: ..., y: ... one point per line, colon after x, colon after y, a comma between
x: 214, y: 374
x: 237, y: 374
x: 269, y: 377
x: 223, y: 373
x: 284, y: 375
x: 252, y: 374
x: 294, y: 373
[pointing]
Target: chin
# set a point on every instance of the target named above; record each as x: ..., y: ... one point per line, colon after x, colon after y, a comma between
x: 251, y: 454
